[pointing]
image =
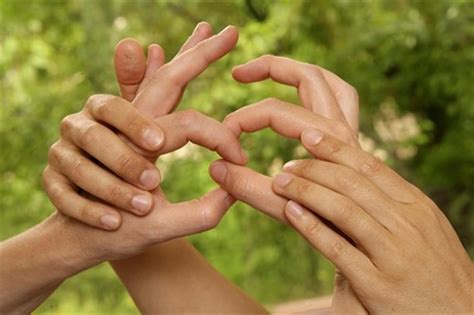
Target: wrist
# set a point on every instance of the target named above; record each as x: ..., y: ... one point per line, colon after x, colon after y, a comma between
x: 69, y: 249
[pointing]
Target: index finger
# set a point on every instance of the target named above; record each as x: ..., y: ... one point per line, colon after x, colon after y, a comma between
x: 167, y: 84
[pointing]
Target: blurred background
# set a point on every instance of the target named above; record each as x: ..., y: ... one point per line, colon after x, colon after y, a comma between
x: 411, y: 61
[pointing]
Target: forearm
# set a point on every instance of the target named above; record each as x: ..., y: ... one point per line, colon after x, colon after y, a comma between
x: 173, y: 277
x: 35, y: 262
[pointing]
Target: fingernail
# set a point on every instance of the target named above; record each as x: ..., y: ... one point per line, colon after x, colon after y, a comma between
x: 219, y: 171
x: 282, y: 179
x: 109, y: 221
x: 312, y: 137
x: 225, y: 29
x: 243, y: 155
x: 150, y: 178
x: 141, y: 203
x: 153, y: 138
x: 289, y: 165
x: 294, y: 209
x: 198, y: 26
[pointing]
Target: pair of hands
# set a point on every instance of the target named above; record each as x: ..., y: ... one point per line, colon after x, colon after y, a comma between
x: 388, y: 221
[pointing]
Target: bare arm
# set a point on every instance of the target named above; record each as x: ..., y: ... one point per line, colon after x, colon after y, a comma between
x: 174, y: 277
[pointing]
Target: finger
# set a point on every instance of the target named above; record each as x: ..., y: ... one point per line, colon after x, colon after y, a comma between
x: 313, y: 89
x: 324, y: 146
x: 202, y: 31
x: 107, y: 147
x: 250, y: 187
x: 353, y: 263
x: 286, y: 119
x: 193, y: 216
x: 337, y: 208
x: 130, y: 67
x: 120, y: 114
x: 349, y: 183
x: 70, y: 162
x: 155, y: 59
x: 68, y: 201
x: 166, y: 86
x: 190, y: 125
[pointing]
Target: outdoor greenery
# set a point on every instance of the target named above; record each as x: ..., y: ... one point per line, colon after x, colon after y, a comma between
x: 411, y: 61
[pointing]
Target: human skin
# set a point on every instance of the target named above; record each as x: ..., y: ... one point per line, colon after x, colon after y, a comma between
x: 38, y: 260
x: 402, y: 254
x: 406, y: 256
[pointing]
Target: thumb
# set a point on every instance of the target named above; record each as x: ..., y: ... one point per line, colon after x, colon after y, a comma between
x: 130, y: 66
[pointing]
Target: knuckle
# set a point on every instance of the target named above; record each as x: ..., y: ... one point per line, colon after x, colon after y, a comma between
x: 347, y: 210
x: 134, y: 124
x: 118, y: 193
x: 313, y: 72
x: 346, y: 179
x: 302, y: 189
x: 334, y: 147
x: 371, y: 166
x: 126, y: 162
x: 67, y: 123
x: 97, y: 100
x: 89, y: 136
x: 77, y: 169
x: 337, y: 249
x: 85, y: 212
x: 314, y: 228
x: 210, y: 218
x: 271, y: 101
x: 55, y: 153
x: 170, y: 74
x: 56, y: 195
x: 268, y: 58
x: 188, y: 117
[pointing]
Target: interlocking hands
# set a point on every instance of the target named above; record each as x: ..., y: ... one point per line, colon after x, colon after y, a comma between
x: 388, y: 220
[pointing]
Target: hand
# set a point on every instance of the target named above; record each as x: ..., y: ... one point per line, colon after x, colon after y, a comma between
x: 323, y: 108
x: 406, y: 257
x: 169, y: 220
x: 331, y: 104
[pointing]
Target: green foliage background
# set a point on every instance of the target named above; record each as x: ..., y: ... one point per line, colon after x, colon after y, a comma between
x: 411, y: 61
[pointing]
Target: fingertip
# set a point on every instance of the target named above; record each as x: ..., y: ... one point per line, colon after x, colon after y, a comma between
x: 142, y: 204
x: 204, y: 29
x: 150, y: 178
x: 129, y: 61
x: 154, y: 138
x: 311, y: 137
x: 218, y: 171
x: 232, y: 33
x: 111, y: 221
x: 293, y: 210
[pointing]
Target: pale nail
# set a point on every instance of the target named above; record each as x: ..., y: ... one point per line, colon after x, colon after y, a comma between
x: 141, y: 203
x: 219, y: 171
x: 282, y: 179
x: 153, y: 138
x: 312, y: 137
x: 150, y: 178
x: 110, y: 221
x: 294, y: 209
x: 225, y: 29
x: 289, y: 165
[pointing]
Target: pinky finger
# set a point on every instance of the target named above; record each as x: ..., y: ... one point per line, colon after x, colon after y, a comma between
x: 69, y: 202
x: 353, y: 263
